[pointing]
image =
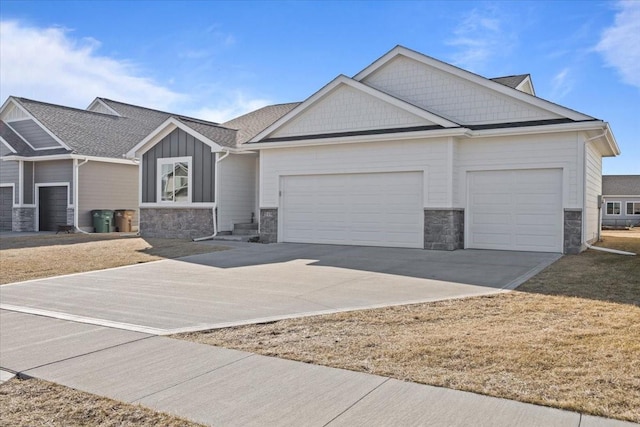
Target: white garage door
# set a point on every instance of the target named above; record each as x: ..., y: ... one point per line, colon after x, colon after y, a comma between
x: 515, y: 210
x: 369, y: 209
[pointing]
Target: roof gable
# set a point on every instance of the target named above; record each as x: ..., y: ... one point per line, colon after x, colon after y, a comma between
x: 164, y: 129
x: 346, y: 106
x: 457, y: 94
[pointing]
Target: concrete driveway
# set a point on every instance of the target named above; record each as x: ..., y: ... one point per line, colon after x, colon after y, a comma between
x: 256, y: 283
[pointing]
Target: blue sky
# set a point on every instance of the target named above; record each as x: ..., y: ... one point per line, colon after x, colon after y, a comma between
x: 217, y: 60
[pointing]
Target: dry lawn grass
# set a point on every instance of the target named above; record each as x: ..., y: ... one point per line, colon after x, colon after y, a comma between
x: 39, y: 403
x: 35, y: 257
x: 568, y: 338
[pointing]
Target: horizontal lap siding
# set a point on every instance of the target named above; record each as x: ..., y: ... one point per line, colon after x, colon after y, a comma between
x: 55, y: 171
x: 431, y: 155
x: 237, y: 199
x: 592, y: 190
x: 525, y: 152
x: 106, y: 186
x: 9, y: 175
x: 180, y: 144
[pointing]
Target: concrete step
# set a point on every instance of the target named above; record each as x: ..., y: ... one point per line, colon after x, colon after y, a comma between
x: 248, y: 229
x: 235, y: 238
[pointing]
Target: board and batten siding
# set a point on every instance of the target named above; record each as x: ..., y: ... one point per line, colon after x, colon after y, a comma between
x: 521, y: 152
x: 55, y: 171
x: 428, y: 155
x: 9, y: 174
x: 593, y: 188
x: 106, y: 186
x: 237, y: 190
x: 180, y: 144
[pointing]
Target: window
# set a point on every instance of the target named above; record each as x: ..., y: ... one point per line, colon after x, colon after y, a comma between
x: 613, y: 208
x: 174, y: 180
x: 633, y: 208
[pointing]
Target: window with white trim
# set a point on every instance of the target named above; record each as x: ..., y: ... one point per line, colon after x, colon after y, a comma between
x: 613, y: 208
x: 174, y: 180
x: 633, y: 208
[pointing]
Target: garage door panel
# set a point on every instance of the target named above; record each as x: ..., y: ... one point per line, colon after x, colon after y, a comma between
x: 515, y: 210
x: 373, y: 209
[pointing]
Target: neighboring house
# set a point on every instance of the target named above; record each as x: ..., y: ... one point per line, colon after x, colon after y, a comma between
x: 414, y: 152
x: 59, y: 163
x: 621, y: 201
x: 196, y: 179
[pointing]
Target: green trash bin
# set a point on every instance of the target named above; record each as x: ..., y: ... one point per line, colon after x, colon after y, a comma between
x: 102, y: 220
x: 123, y: 220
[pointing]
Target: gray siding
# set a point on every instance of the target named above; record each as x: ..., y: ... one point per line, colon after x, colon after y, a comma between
x: 55, y: 171
x: 106, y: 186
x: 34, y: 134
x: 180, y: 144
x: 27, y: 173
x: 622, y: 220
x: 9, y: 175
x: 4, y: 151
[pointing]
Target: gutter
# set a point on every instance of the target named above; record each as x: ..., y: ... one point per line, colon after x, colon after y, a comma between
x: 215, y: 205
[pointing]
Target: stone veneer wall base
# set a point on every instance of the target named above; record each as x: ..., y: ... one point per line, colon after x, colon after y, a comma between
x: 176, y: 223
x: 444, y: 229
x: 269, y: 225
x: 573, y: 231
x: 23, y: 219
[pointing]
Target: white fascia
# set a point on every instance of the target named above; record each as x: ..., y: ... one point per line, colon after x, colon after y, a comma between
x: 469, y: 76
x: 6, y: 144
x: 71, y: 157
x: 363, y: 138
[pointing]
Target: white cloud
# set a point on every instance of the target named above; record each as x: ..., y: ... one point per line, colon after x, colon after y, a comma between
x: 48, y: 64
x: 562, y: 84
x: 479, y: 36
x: 620, y: 43
x: 228, y: 109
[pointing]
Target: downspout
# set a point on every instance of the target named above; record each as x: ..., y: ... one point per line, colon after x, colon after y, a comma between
x: 76, y: 196
x: 612, y: 251
x: 215, y: 204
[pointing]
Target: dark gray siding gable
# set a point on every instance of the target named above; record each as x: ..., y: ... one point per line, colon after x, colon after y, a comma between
x: 34, y: 134
x: 180, y: 144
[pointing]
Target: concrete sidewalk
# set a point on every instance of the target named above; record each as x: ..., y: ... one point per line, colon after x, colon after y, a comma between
x: 217, y: 386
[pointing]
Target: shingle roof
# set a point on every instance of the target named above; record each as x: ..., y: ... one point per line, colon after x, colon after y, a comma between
x: 621, y: 185
x: 221, y: 135
x: 251, y: 124
x: 511, y: 81
x: 95, y: 134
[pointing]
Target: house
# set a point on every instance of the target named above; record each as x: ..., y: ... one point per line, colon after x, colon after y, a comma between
x: 218, y: 177
x: 414, y: 152
x: 621, y: 201
x: 59, y: 163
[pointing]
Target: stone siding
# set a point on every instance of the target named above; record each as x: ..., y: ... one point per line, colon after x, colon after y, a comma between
x: 573, y: 231
x: 444, y: 229
x: 269, y: 225
x: 176, y: 223
x: 24, y: 219
x: 70, y: 218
